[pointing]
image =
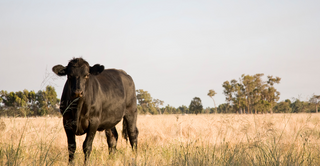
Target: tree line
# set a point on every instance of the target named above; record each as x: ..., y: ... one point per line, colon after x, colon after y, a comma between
x: 195, y: 107
x: 249, y: 94
x: 29, y: 103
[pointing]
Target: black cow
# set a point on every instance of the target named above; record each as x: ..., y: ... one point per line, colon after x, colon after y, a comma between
x: 97, y: 99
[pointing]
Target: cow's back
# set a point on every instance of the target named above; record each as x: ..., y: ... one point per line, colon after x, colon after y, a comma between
x: 119, y: 83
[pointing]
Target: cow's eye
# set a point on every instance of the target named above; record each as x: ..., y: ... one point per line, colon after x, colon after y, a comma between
x: 87, y: 76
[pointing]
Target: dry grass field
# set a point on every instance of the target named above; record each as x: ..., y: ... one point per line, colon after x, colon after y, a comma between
x: 277, y: 139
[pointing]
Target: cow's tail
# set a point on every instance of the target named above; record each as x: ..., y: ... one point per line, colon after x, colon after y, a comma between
x: 125, y: 129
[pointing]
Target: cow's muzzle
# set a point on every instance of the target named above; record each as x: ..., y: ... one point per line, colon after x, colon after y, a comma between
x: 77, y: 93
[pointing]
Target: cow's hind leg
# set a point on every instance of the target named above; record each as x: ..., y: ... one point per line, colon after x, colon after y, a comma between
x: 130, y: 122
x: 112, y: 138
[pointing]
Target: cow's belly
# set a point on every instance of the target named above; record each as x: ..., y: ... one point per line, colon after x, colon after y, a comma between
x: 110, y: 117
x: 108, y: 125
x: 109, y: 122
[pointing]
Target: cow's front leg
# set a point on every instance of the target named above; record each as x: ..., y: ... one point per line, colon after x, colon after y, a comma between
x: 87, y: 144
x: 71, y: 146
x: 71, y: 139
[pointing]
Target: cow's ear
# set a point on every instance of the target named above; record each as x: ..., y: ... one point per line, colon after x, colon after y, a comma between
x: 96, y: 69
x: 59, y: 70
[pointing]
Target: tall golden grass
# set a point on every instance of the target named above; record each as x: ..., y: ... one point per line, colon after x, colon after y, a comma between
x: 268, y: 139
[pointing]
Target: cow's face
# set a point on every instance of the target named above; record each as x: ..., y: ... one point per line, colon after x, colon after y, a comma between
x: 78, y: 72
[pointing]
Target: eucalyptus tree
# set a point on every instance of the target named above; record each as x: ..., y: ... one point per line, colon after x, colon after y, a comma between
x: 314, y: 100
x: 248, y: 84
x: 46, y: 100
x: 157, y: 103
x: 211, y: 94
x: 144, y: 98
x: 228, y: 91
x: 258, y: 102
x: 32, y: 100
x: 239, y: 98
x: 273, y: 95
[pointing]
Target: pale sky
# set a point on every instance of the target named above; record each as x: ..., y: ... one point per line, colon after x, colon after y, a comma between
x: 175, y: 50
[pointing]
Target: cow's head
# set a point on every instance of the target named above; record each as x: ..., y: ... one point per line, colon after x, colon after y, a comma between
x: 78, y: 72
